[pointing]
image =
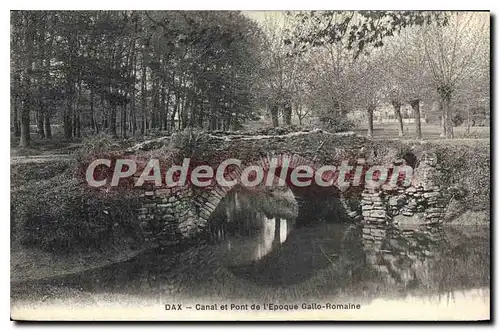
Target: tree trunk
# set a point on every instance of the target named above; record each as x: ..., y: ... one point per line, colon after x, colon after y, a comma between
x: 112, y: 120
x: 274, y: 115
x: 46, y: 124
x: 443, y: 118
x: 27, y: 102
x: 134, y: 116
x: 78, y: 125
x: 92, y: 116
x: 39, y: 120
x: 76, y: 117
x: 163, y: 101
x: 370, y: 121
x: 73, y: 119
x: 448, y: 123
x: 70, y: 89
x: 124, y: 120
x: 143, y: 96
x: 397, y: 110
x: 287, y: 113
x: 167, y: 106
x: 17, y: 129
x: 154, y: 103
x: 47, y: 70
x: 68, y: 110
x: 25, y: 122
x: 415, y: 105
x: 104, y: 115
x: 39, y: 62
x: 445, y: 93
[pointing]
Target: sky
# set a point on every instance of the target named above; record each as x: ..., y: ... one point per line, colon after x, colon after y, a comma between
x: 261, y: 15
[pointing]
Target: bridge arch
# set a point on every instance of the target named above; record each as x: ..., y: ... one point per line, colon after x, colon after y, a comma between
x: 311, y: 200
x: 171, y: 215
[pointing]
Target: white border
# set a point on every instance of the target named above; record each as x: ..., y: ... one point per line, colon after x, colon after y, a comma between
x: 188, y: 4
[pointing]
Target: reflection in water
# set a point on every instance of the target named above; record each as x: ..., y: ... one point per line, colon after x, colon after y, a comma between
x: 253, y: 250
x: 402, y: 256
x: 433, y: 260
x: 250, y: 233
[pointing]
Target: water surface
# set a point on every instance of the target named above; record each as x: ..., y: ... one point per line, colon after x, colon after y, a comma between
x: 254, y: 251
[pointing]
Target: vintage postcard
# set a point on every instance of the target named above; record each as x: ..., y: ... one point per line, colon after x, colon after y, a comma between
x: 250, y: 165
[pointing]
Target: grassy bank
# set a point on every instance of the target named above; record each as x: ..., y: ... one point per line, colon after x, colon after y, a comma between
x: 465, y: 172
x: 60, y: 225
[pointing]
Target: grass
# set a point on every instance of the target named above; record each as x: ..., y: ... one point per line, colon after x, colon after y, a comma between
x: 429, y: 132
x: 57, y: 218
x: 56, y: 145
x: 59, y: 145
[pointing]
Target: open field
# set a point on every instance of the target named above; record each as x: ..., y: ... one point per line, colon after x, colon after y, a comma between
x: 429, y: 132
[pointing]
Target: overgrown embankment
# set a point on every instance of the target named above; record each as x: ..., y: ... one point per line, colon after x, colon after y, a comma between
x: 56, y: 219
x: 464, y: 177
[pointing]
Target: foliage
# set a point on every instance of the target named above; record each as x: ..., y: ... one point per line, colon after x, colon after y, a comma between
x: 336, y: 123
x: 465, y: 172
x: 457, y: 120
x: 59, y: 214
x: 95, y: 145
x: 458, y: 60
x: 394, y: 57
x: 130, y: 71
x: 361, y: 29
x: 140, y: 72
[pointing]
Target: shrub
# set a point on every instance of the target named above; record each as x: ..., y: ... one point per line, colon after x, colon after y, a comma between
x: 25, y: 172
x: 465, y: 173
x: 457, y: 120
x: 95, y: 145
x: 61, y: 215
x: 336, y: 123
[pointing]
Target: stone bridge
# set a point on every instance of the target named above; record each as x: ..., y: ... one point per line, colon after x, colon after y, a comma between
x: 173, y: 214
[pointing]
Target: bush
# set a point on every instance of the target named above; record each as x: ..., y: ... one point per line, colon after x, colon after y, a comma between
x: 465, y: 173
x: 95, y: 145
x: 457, y: 120
x: 336, y: 123
x: 62, y: 215
x: 25, y: 172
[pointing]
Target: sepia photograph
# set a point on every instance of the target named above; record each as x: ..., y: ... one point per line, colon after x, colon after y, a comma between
x: 225, y: 165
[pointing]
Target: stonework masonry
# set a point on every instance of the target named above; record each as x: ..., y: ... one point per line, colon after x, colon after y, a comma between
x: 171, y: 215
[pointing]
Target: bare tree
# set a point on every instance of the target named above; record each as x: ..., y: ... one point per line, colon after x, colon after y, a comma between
x: 451, y: 53
x: 286, y: 74
x: 407, y: 76
x: 369, y: 78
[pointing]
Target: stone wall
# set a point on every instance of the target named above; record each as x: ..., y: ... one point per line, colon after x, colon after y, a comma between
x: 420, y: 204
x: 170, y: 215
